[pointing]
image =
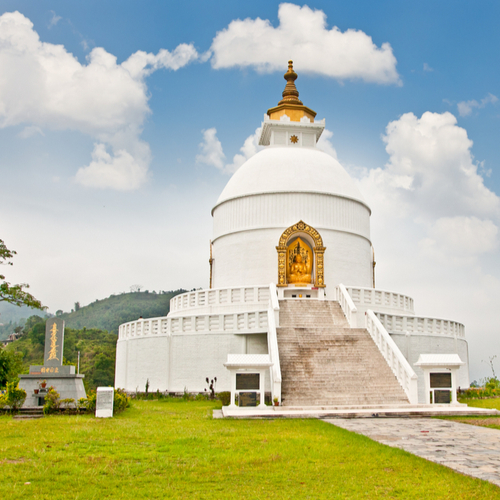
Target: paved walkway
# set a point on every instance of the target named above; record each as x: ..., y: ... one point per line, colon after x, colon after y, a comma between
x: 468, y: 449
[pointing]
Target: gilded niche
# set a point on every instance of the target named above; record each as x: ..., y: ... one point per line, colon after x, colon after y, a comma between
x: 300, y: 263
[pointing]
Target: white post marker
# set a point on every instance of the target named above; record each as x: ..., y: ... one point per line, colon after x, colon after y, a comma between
x: 104, y: 402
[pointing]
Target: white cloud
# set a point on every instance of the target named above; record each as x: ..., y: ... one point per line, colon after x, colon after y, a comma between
x: 325, y: 143
x: 212, y: 153
x: 465, y: 107
x: 427, y: 68
x: 460, y: 238
x: 54, y: 19
x: 431, y: 170
x: 435, y: 226
x: 49, y: 88
x: 30, y: 131
x: 121, y: 171
x: 211, y: 150
x: 303, y: 35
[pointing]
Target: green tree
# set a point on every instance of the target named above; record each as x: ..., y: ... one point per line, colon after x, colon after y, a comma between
x: 37, y: 334
x: 11, y: 365
x: 15, y: 294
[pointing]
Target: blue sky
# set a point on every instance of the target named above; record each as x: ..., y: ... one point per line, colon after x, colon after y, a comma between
x: 108, y: 174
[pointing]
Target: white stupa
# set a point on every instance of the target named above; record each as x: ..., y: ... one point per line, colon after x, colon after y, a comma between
x: 292, y: 293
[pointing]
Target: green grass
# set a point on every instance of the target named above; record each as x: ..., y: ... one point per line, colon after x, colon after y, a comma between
x: 158, y: 450
x: 493, y: 422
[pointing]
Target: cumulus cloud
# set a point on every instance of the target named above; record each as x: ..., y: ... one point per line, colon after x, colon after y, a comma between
x: 49, y: 88
x: 465, y: 108
x: 212, y: 153
x: 462, y: 239
x: 431, y: 170
x: 435, y: 225
x: 325, y: 143
x: 211, y: 150
x: 303, y: 35
x: 427, y: 68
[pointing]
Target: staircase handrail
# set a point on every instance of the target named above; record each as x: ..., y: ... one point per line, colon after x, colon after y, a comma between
x: 394, y: 357
x: 272, y: 342
x: 347, y: 304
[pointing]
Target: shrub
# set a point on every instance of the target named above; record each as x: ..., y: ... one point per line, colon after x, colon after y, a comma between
x: 225, y: 397
x: 15, y: 396
x: 52, y: 401
x: 121, y: 401
x: 91, y: 402
x: 3, y: 401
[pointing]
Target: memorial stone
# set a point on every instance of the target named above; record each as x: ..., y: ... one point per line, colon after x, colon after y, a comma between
x: 52, y: 373
x: 104, y: 402
x: 54, y: 340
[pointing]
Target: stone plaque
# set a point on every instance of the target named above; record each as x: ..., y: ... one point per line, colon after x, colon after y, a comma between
x: 442, y: 397
x: 247, y: 381
x: 54, y: 339
x: 248, y: 398
x: 104, y: 402
x: 51, y: 371
x: 440, y: 380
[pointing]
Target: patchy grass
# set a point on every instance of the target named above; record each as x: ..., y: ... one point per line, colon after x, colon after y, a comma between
x: 158, y: 450
x: 493, y: 422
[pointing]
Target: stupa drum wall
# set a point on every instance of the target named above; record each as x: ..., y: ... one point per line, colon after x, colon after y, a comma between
x: 247, y: 230
x: 250, y: 257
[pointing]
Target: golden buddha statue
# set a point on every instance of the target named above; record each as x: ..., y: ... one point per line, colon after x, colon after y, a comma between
x: 299, y: 271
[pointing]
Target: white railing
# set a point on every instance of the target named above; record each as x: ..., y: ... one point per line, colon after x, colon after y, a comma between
x: 374, y: 298
x: 272, y: 342
x: 421, y: 326
x: 395, y: 359
x: 247, y: 322
x: 347, y: 305
x: 220, y: 296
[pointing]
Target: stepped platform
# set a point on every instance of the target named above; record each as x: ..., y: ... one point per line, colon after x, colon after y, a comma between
x: 325, y: 363
x: 366, y: 411
x: 29, y: 413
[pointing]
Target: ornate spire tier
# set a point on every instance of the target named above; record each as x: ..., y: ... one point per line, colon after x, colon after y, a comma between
x: 290, y: 105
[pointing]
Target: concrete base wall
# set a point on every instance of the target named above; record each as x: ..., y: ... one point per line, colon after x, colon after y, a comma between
x: 69, y: 386
x: 181, y: 362
x: 412, y: 346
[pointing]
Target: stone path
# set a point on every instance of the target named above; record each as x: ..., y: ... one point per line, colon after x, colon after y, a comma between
x: 468, y: 449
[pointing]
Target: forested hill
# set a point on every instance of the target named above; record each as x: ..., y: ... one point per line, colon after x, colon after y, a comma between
x: 109, y: 314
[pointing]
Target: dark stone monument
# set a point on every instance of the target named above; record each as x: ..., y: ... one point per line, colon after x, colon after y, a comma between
x: 63, y: 378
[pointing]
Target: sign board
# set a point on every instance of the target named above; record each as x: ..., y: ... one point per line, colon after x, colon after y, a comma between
x: 442, y: 397
x: 104, y: 402
x: 440, y: 380
x: 54, y: 340
x: 247, y: 381
x: 247, y: 399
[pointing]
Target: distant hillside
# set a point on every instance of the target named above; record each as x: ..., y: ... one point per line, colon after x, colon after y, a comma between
x: 108, y: 314
x: 12, y: 316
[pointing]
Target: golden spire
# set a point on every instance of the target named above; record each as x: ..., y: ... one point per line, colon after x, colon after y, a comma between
x: 290, y: 105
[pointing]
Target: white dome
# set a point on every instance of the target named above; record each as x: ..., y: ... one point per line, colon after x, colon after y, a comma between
x: 286, y: 169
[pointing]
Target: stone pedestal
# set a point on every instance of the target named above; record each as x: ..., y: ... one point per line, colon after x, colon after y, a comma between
x: 67, y: 385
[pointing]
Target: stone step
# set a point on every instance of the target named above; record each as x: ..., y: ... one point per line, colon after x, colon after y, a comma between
x: 324, y: 362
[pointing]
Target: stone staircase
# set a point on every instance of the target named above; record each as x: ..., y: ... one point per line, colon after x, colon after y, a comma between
x: 324, y: 362
x: 29, y: 413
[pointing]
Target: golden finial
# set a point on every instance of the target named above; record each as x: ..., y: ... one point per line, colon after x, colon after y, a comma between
x: 290, y: 94
x: 290, y: 105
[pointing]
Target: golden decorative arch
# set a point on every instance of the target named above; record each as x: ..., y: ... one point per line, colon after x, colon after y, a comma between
x: 318, y: 250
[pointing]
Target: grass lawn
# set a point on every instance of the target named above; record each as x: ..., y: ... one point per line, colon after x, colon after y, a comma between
x: 491, y: 422
x: 176, y: 450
